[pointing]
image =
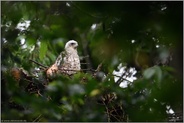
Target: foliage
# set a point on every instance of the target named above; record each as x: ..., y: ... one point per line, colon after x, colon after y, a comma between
x: 146, y: 36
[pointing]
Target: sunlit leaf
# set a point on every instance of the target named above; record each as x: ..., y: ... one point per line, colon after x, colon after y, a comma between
x: 95, y: 92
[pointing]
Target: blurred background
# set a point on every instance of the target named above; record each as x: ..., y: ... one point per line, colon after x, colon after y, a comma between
x: 139, y: 46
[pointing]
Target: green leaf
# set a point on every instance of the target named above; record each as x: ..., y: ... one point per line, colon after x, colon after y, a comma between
x: 158, y: 73
x: 30, y: 41
x: 150, y: 72
x: 95, y: 92
x: 43, y: 50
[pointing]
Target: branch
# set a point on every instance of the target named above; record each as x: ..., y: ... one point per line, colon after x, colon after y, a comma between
x: 99, y: 67
x: 107, y: 111
x: 77, y: 70
x: 82, y: 57
x: 37, y: 63
x: 38, y: 92
x: 84, y: 63
x: 120, y: 78
x: 89, y: 70
x: 37, y: 118
x: 84, y: 11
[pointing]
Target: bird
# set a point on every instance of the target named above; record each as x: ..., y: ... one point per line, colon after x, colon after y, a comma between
x: 67, y: 62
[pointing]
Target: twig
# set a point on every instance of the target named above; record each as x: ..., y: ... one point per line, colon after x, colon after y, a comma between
x: 84, y: 56
x: 42, y: 69
x: 99, y: 67
x: 89, y: 70
x: 121, y: 78
x: 115, y: 117
x: 37, y: 118
x: 114, y: 109
x: 77, y: 70
x: 107, y: 111
x: 84, y: 11
x: 84, y: 63
x: 38, y: 63
x: 27, y: 80
x: 38, y: 92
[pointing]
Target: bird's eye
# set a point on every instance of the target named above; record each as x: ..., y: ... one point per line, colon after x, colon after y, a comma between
x: 72, y: 43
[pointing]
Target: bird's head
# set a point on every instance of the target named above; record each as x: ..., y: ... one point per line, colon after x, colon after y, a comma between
x: 71, y: 44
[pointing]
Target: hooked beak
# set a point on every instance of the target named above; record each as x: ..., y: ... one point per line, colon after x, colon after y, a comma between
x: 75, y: 46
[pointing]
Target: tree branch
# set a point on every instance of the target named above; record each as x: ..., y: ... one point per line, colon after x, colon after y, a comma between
x: 38, y: 63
